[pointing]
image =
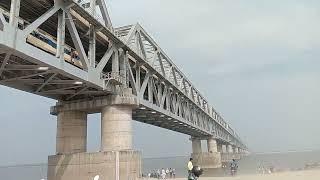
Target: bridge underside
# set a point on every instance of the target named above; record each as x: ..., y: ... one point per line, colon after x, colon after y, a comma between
x: 21, y: 69
x: 31, y: 75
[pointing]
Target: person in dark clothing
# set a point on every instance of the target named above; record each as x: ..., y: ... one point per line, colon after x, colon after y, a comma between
x: 233, y: 167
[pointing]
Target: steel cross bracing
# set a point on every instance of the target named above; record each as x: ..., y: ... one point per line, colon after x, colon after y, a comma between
x: 60, y: 50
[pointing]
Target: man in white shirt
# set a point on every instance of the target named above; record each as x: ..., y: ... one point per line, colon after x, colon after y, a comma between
x: 163, y: 174
x: 190, y: 167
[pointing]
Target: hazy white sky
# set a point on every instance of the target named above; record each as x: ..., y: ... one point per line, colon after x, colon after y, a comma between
x: 257, y: 62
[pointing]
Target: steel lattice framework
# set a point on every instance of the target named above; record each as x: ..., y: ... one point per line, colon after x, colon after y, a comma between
x: 37, y: 42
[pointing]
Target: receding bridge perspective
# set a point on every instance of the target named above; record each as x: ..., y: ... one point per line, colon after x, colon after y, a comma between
x: 69, y: 51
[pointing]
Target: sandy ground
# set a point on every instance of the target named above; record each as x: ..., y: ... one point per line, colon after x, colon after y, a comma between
x: 298, y: 175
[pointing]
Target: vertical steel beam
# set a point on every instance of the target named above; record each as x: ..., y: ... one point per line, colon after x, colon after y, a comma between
x: 92, y: 37
x: 138, y: 75
x: 163, y: 95
x: 61, y: 32
x: 122, y: 66
x: 168, y: 100
x: 159, y: 88
x: 155, y: 93
x: 131, y: 77
x: 14, y: 12
x: 150, y: 90
x: 115, y: 61
x: 92, y: 46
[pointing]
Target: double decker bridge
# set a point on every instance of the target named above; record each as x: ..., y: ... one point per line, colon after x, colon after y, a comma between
x: 69, y: 51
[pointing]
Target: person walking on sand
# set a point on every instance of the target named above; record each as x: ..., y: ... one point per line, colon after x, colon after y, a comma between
x: 190, y: 167
x: 233, y: 167
x: 167, y: 172
x: 158, y: 173
x: 174, y: 173
x: 163, y: 174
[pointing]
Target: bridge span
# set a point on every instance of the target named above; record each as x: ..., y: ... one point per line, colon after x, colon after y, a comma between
x: 69, y: 51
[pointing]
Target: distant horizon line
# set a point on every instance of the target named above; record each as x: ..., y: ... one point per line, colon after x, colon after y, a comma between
x: 283, y: 152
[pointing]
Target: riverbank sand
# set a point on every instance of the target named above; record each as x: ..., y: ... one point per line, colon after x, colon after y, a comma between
x: 294, y: 175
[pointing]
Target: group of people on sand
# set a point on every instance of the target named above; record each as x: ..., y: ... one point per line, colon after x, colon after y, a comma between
x: 194, y: 171
x: 265, y: 170
x: 167, y: 173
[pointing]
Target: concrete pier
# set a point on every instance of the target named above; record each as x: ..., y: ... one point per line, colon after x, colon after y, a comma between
x: 236, y: 150
x: 111, y: 165
x: 230, y: 149
x: 71, y: 132
x: 219, y: 146
x: 116, y: 128
x: 224, y: 148
x: 116, y: 159
x: 196, y: 145
x: 207, y: 160
x: 212, y: 145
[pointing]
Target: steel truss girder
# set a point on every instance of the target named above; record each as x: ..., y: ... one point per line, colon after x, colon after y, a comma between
x: 186, y: 100
x: 168, y: 89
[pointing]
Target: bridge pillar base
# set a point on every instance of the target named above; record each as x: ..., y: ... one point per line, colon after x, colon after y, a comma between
x: 71, y: 132
x: 116, y: 128
x: 122, y: 165
x: 207, y: 160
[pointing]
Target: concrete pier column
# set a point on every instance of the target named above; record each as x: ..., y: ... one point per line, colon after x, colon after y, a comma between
x: 219, y: 147
x: 116, y: 160
x: 230, y: 149
x: 71, y: 132
x: 224, y: 148
x: 236, y: 150
x: 207, y: 160
x: 212, y: 145
x: 196, y: 145
x: 116, y: 128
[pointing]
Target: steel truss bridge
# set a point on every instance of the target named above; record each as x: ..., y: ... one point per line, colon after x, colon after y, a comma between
x: 68, y: 51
